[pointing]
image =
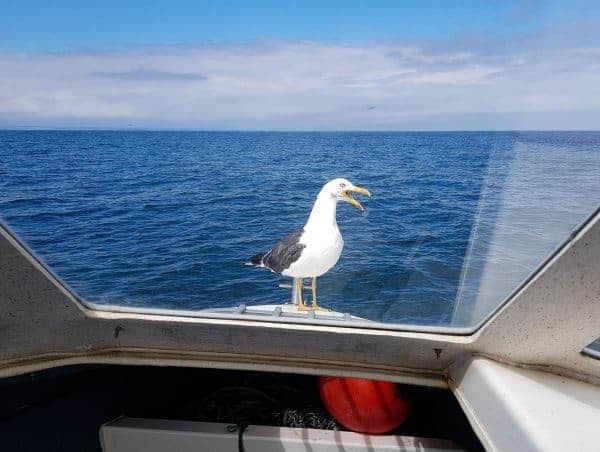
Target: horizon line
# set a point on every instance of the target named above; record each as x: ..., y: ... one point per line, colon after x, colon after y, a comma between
x: 166, y: 129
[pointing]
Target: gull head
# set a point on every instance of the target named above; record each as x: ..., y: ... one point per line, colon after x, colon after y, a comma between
x: 341, y: 189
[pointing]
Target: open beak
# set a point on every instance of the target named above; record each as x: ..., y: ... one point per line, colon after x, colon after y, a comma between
x: 351, y: 200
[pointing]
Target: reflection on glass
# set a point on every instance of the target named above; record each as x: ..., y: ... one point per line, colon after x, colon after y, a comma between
x: 532, y: 197
x: 166, y: 219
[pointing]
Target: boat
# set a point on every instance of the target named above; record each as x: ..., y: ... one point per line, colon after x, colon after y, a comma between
x: 81, y: 376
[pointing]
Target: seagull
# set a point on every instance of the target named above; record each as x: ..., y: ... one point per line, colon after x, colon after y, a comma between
x: 313, y: 250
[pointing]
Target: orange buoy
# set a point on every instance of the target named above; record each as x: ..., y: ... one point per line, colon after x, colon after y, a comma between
x: 366, y: 406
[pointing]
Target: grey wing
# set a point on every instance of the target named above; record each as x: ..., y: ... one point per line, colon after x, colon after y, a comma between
x: 285, y: 252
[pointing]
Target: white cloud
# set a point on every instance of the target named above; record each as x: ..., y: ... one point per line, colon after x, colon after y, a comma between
x: 307, y: 85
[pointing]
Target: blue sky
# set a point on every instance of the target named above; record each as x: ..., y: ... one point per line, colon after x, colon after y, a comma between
x: 303, y: 65
x: 40, y: 26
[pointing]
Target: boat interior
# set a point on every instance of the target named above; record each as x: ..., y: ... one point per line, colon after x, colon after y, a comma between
x: 67, y: 406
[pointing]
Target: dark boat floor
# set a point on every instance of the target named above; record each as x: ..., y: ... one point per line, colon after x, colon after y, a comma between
x: 63, y: 409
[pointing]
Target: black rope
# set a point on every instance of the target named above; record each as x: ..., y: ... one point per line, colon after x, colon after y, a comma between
x: 240, y: 428
x: 263, y: 401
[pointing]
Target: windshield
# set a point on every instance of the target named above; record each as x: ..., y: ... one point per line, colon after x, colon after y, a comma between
x: 161, y: 170
x: 167, y: 219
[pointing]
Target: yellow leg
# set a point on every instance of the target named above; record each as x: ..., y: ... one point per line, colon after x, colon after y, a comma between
x: 301, y: 305
x: 314, y: 296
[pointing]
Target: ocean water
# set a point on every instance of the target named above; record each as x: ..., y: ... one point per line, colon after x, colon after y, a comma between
x: 166, y: 219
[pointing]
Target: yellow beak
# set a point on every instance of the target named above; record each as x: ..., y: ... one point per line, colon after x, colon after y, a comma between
x: 351, y: 200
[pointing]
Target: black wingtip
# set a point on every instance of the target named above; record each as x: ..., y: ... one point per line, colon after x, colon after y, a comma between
x: 257, y: 259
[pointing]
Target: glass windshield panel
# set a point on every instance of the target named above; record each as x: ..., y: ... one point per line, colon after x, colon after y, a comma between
x: 167, y: 219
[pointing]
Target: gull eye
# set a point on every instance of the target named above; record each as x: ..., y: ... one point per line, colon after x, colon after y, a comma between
x: 342, y: 185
